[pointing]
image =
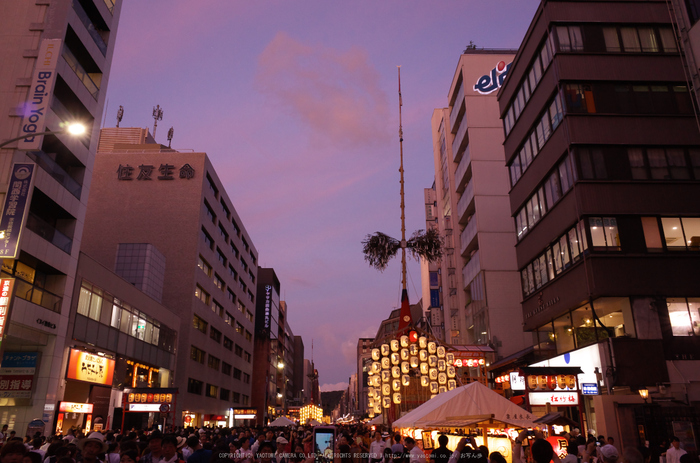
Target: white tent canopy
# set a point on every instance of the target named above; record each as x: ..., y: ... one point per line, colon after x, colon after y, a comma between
x: 464, y: 406
x: 379, y: 419
x: 282, y: 421
x: 313, y: 422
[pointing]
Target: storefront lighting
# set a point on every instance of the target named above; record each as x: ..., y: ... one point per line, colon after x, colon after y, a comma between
x: 644, y: 393
x: 280, y: 365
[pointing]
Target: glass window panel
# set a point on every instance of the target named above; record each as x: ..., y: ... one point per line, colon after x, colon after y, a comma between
x: 673, y: 233
x: 647, y: 38
x: 556, y: 250
x: 536, y: 271
x: 95, y: 304
x: 543, y: 206
x: 564, y: 175
x: 537, y: 67
x: 550, y: 264
x: 691, y: 230
x: 630, y: 39
x: 126, y: 321
x: 573, y: 244
x: 515, y: 171
x: 563, y: 36
x: 612, y: 41
x: 599, y: 163
x: 658, y: 164
x: 543, y: 269
x: 584, y: 156
x: 84, y: 301
x: 564, y: 334
x: 533, y: 144
x: 531, y: 79
x: 636, y: 160
x: 530, y: 217
x: 612, y: 237
x: 597, y: 231
x: 677, y: 165
x: 695, y: 161
x: 668, y: 41
x: 539, y: 130
x: 535, y: 208
x: 527, y: 153
x: 116, y: 316
x: 522, y: 219
x: 545, y: 57
x: 679, y: 316
x: 526, y: 286
x: 694, y: 308
x: 584, y: 326
x: 652, y: 236
x: 576, y: 38
x: 555, y: 113
x: 530, y: 279
x: 526, y: 90
x: 156, y: 335
x: 583, y: 241
x: 546, y: 128
x: 564, y: 250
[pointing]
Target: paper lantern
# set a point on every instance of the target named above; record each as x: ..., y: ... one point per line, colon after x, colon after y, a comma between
x: 376, y: 354
x: 371, y: 413
x: 450, y: 358
x: 370, y: 381
x: 386, y: 376
x: 386, y: 363
x: 442, y: 389
x: 413, y: 349
x: 423, y: 355
x: 571, y: 381
x: 532, y: 383
x: 385, y: 350
x: 394, y: 344
x: 378, y: 407
x: 441, y: 352
x: 458, y: 363
x: 451, y: 384
x: 542, y: 381
x: 552, y: 382
x: 397, y: 398
x: 370, y: 403
x: 405, y: 380
x: 386, y: 389
x: 451, y: 372
x: 396, y: 385
x: 432, y: 361
x: 404, y: 341
x: 405, y: 368
x: 404, y: 354
x: 423, y: 342
x: 386, y: 402
x: 395, y: 372
x: 424, y: 368
x: 433, y: 374
x: 441, y: 365
x: 561, y: 381
x: 395, y: 358
x: 376, y: 367
x: 377, y: 395
x: 376, y: 381
x: 442, y: 378
x: 434, y: 387
x: 432, y: 347
x: 433, y: 396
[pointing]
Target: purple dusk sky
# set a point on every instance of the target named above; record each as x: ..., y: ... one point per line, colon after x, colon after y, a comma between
x: 296, y: 104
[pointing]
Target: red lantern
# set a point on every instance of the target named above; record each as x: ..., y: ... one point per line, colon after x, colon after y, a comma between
x: 552, y: 382
x: 413, y: 336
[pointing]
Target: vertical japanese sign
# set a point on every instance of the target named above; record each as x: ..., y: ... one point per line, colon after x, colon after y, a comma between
x: 40, y: 94
x: 16, y: 208
x: 6, y: 286
x: 17, y: 374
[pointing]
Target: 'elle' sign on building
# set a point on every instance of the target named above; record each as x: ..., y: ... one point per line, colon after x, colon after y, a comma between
x: 489, y: 83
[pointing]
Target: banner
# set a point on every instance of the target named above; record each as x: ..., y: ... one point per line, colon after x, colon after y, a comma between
x: 17, y: 374
x: 40, y: 94
x: 16, y: 208
x: 91, y: 368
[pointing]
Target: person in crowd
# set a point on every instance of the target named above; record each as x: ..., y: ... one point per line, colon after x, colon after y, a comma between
x: 112, y: 455
x: 260, y: 439
x: 12, y: 453
x: 3, y: 434
x: 674, y: 452
x: 169, y: 450
x: 190, y: 444
x: 31, y: 457
x: 376, y: 448
x: 609, y: 453
x: 91, y: 447
x: 496, y: 457
x: 280, y: 453
x: 266, y: 453
x: 441, y: 454
x: 415, y: 453
x: 632, y: 455
x: 129, y: 456
x: 199, y: 453
x: 571, y: 453
x: 398, y: 450
x: 245, y: 453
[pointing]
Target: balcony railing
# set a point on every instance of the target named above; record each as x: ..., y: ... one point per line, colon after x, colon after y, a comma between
x: 471, y: 270
x: 36, y: 295
x: 90, y: 26
x: 80, y: 72
x: 467, y: 235
x: 460, y: 140
x: 56, y: 171
x: 66, y: 116
x: 458, y: 104
x: 460, y: 173
x: 49, y: 233
x: 464, y: 202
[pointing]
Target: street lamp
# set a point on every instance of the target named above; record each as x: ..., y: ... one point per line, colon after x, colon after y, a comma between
x: 280, y: 364
x: 644, y: 393
x: 74, y: 129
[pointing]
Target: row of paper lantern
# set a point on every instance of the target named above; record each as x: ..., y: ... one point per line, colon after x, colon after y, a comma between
x: 432, y: 374
x: 394, y: 351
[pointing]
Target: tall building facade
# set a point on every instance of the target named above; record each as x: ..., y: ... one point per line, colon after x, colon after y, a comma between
x: 603, y: 150
x: 431, y: 274
x: 364, y: 362
x: 161, y: 219
x: 56, y: 61
x: 477, y: 283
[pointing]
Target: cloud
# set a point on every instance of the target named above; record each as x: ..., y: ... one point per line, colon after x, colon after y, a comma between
x: 334, y: 387
x: 337, y: 94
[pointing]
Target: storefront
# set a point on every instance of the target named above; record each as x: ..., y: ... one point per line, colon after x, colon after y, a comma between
x: 145, y: 407
x: 243, y: 416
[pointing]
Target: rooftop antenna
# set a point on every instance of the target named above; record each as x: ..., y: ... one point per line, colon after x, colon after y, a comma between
x: 120, y: 114
x: 157, y: 116
x: 171, y: 131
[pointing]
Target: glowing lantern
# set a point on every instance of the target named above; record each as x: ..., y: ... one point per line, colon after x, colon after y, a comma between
x: 376, y: 367
x: 376, y: 380
x: 532, y: 383
x: 370, y: 380
x: 451, y: 371
x: 386, y: 363
x: 441, y: 365
x: 450, y: 358
x: 423, y: 355
x: 405, y: 380
x: 451, y: 384
x: 552, y: 382
x: 432, y: 347
x: 405, y: 368
x: 561, y: 381
x: 404, y: 354
x: 371, y: 413
x: 433, y: 387
x: 376, y: 354
x: 394, y: 344
x: 378, y: 407
x: 458, y: 363
x: 432, y: 361
x: 424, y: 368
x: 385, y: 350
x: 395, y: 372
x: 370, y: 403
x: 423, y: 342
x: 413, y: 349
x: 442, y: 389
x: 404, y: 341
x: 413, y: 336
x: 386, y: 402
x: 396, y: 385
x: 442, y: 378
x: 441, y: 351
x: 433, y: 374
x: 386, y: 389
x: 542, y: 382
x: 414, y: 362
x: 395, y: 358
x: 424, y: 381
x: 377, y: 395
x: 386, y: 376
x: 397, y: 398
x: 571, y: 381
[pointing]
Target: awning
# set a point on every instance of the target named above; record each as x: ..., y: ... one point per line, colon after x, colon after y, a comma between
x: 556, y: 418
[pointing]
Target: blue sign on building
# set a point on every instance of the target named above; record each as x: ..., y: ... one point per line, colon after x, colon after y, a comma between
x: 14, y: 213
x: 589, y: 388
x: 19, y: 359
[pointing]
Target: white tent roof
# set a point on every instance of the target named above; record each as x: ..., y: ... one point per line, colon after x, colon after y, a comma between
x: 282, y: 421
x: 464, y: 406
x: 313, y: 422
x: 379, y: 419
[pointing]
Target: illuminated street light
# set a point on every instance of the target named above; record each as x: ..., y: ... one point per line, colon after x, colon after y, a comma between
x: 74, y: 129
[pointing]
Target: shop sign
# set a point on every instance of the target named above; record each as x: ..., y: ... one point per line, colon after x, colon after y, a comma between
x: 149, y: 398
x: 517, y: 382
x: 14, y: 213
x: 244, y: 413
x: 587, y: 358
x: 554, y: 398
x: 589, y: 389
x: 489, y: 83
x: 40, y: 93
x: 17, y: 374
x: 469, y: 362
x: 90, y: 368
x: 6, y: 285
x: 144, y: 407
x: 268, y: 301
x: 73, y: 407
x: 147, y: 172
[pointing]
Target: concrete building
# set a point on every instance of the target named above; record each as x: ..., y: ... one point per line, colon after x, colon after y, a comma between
x: 431, y: 274
x: 603, y: 149
x: 474, y: 289
x: 364, y: 359
x: 56, y: 62
x: 298, y: 380
x: 162, y: 217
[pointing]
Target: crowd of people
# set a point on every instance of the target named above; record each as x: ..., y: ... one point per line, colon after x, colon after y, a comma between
x: 353, y: 444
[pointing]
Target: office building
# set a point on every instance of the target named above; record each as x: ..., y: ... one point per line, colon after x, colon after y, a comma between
x: 162, y: 219
x: 364, y: 361
x: 56, y: 59
x: 603, y: 150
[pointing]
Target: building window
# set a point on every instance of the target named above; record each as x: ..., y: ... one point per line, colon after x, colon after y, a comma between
x: 228, y: 318
x: 218, y: 282
x: 238, y: 351
x: 245, y: 245
x: 207, y: 239
x: 661, y: 163
x: 684, y: 315
x: 592, y: 163
x: 212, y: 187
x: 681, y: 233
x: 231, y: 295
x: 249, y: 315
x: 604, y: 232
x: 239, y: 328
x: 202, y: 264
x: 228, y: 343
x: 199, y: 324
x: 621, y: 98
x: 227, y: 212
x: 569, y: 38
x: 221, y: 256
x: 237, y: 373
x: 194, y: 386
x: 246, y: 378
x: 234, y: 250
x: 241, y: 308
x: 209, y: 212
x: 202, y: 295
x: 254, y: 261
x: 247, y: 357
x: 197, y: 354
x: 250, y: 296
x: 232, y: 273
x: 248, y: 336
x: 243, y: 264
x: 251, y: 276
x: 89, y: 301
x: 236, y: 227
x: 226, y: 368
x: 245, y: 400
x: 215, y: 334
x: 222, y: 231
x: 212, y: 391
x: 213, y: 362
x: 224, y: 394
x: 236, y: 397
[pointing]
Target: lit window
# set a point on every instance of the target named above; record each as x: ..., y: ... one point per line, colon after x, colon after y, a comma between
x: 604, y: 232
x: 684, y: 316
